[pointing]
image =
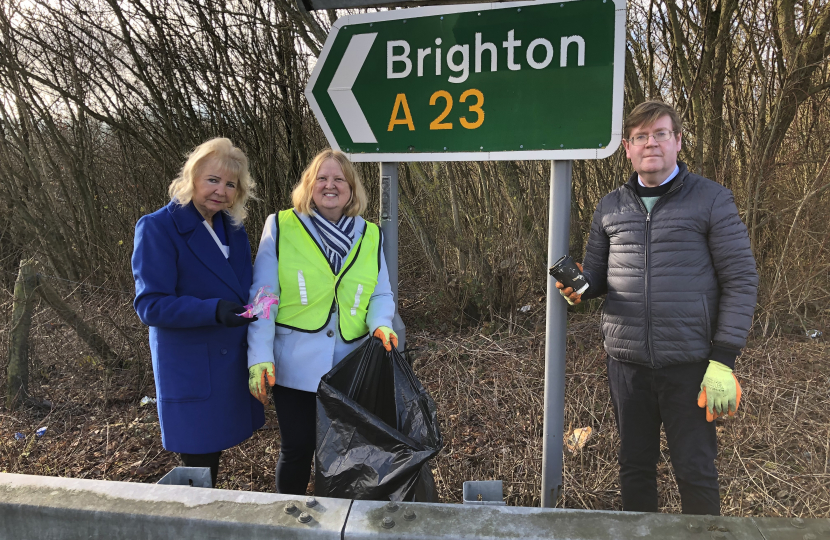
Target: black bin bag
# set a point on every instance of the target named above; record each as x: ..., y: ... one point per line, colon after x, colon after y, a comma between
x: 377, y: 429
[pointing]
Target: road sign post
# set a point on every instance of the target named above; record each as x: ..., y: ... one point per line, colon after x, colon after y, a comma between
x: 559, y: 227
x: 475, y: 82
x: 389, y: 226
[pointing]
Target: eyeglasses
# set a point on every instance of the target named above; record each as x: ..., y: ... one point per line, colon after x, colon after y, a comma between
x: 660, y: 136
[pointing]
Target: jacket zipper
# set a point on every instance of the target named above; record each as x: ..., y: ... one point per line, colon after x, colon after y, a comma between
x: 647, y: 270
x: 649, y: 345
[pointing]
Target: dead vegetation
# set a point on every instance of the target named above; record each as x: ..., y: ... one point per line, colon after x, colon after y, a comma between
x: 488, y: 384
x: 772, y: 460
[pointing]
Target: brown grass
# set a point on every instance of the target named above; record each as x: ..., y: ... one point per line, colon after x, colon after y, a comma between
x: 773, y: 457
x: 488, y: 384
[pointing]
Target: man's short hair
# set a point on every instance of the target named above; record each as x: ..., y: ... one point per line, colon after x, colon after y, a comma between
x: 648, y: 112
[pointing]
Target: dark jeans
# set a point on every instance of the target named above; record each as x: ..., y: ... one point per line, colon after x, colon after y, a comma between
x: 644, y: 398
x: 203, y: 460
x: 297, y: 415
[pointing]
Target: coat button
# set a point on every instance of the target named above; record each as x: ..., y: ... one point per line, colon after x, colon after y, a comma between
x: 224, y: 351
x: 329, y: 333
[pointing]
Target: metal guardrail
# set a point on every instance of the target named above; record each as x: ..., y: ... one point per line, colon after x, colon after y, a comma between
x: 433, y: 521
x: 46, y: 508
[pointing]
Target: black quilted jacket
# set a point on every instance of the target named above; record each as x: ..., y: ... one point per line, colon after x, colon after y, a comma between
x: 678, y: 280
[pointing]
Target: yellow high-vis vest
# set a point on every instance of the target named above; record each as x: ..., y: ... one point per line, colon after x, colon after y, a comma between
x: 309, y: 290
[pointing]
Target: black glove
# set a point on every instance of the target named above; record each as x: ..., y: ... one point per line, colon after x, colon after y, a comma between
x: 227, y: 313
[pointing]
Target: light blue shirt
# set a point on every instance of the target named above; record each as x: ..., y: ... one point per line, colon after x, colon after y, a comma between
x: 672, y: 175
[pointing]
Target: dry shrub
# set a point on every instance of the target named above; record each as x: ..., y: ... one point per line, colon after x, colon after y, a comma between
x: 773, y: 456
x: 96, y: 427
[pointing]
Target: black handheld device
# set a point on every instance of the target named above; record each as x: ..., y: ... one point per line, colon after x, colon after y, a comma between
x: 567, y: 273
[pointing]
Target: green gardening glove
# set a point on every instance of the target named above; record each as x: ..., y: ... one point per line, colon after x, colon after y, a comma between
x: 720, y: 391
x: 386, y: 335
x: 258, y: 376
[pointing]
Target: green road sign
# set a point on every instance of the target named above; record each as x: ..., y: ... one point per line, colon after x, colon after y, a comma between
x: 516, y: 80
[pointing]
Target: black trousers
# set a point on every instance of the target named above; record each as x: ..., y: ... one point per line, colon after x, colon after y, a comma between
x: 297, y: 415
x: 644, y: 398
x: 203, y: 460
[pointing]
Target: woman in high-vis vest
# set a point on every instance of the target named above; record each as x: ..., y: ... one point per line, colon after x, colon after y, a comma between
x: 192, y: 270
x: 326, y: 265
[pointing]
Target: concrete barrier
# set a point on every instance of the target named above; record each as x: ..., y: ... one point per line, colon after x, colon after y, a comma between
x: 46, y: 508
x: 414, y: 521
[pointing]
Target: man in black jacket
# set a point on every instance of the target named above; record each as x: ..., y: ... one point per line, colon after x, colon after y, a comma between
x: 673, y: 258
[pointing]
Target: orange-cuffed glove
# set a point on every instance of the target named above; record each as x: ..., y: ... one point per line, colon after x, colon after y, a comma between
x: 258, y: 376
x: 568, y: 292
x: 386, y: 334
x: 720, y: 391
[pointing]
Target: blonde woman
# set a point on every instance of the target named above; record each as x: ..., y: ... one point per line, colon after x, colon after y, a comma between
x: 326, y: 263
x: 192, y: 270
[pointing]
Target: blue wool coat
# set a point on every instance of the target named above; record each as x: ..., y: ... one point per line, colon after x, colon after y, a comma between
x: 200, y: 366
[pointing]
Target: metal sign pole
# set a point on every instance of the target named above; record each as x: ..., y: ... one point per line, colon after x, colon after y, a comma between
x: 559, y: 230
x: 389, y: 226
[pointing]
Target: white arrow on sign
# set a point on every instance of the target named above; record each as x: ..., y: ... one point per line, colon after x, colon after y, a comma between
x: 340, y: 89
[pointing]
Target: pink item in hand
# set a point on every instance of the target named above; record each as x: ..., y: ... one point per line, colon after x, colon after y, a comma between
x: 261, y: 305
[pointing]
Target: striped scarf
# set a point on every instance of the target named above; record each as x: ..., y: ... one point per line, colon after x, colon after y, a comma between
x: 337, y: 238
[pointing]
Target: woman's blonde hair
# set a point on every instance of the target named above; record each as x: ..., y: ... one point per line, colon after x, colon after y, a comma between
x: 302, y: 196
x: 231, y: 160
